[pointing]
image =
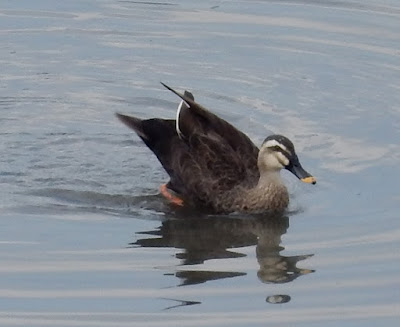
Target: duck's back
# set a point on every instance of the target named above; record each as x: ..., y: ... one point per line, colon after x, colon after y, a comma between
x: 206, y: 157
x: 219, y: 157
x: 210, y: 171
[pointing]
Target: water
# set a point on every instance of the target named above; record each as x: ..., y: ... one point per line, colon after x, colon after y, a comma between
x: 85, y: 238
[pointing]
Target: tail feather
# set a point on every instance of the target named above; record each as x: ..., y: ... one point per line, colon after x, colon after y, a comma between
x: 193, y: 118
x: 134, y: 123
x: 161, y: 138
x: 189, y: 99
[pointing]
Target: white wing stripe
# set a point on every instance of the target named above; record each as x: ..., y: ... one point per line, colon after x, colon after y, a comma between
x: 178, y: 130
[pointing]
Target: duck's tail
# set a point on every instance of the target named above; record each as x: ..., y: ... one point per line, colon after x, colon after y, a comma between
x: 134, y: 123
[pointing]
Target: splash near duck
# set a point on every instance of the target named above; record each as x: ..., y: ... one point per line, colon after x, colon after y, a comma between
x: 213, y: 165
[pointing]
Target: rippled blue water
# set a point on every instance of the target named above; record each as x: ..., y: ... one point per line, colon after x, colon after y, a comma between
x: 85, y: 239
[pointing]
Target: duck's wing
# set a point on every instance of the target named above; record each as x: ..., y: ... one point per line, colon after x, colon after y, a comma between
x: 193, y: 118
x: 211, y: 172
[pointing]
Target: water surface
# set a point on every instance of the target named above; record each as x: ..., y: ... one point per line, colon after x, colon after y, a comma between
x: 85, y: 239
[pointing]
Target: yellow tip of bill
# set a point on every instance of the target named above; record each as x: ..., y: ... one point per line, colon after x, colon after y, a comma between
x: 310, y: 180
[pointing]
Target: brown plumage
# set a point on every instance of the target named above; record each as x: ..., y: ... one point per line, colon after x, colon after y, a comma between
x: 213, y: 165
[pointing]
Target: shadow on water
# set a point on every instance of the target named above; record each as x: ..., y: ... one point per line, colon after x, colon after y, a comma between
x: 70, y: 201
x: 218, y: 237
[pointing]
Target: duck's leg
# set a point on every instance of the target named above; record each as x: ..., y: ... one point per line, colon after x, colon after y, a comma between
x: 170, y: 196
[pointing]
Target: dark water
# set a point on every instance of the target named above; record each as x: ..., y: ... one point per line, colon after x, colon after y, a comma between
x: 85, y: 239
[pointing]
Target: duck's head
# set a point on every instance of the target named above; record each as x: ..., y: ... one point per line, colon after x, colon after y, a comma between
x: 277, y: 152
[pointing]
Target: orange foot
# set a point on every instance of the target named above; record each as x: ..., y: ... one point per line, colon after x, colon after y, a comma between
x: 168, y: 195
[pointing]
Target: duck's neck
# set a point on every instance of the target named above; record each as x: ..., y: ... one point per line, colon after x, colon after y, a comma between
x: 270, y: 192
x: 268, y: 178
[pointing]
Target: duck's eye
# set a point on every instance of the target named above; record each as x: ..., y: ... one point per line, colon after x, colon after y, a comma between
x: 276, y: 148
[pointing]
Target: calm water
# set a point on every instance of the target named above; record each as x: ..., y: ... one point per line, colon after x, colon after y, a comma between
x: 85, y: 239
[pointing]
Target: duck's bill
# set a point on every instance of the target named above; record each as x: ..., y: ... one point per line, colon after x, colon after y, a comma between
x: 297, y: 170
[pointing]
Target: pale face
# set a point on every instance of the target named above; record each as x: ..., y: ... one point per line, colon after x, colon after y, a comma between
x: 274, y: 155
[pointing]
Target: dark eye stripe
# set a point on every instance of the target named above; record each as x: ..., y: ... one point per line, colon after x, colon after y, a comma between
x: 278, y: 148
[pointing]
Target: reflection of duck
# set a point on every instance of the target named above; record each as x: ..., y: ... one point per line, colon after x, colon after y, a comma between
x: 275, y: 268
x: 211, y: 237
x: 213, y: 165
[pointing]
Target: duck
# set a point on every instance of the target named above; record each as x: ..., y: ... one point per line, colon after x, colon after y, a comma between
x: 213, y: 165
